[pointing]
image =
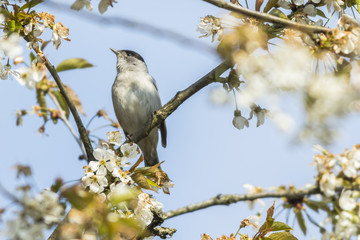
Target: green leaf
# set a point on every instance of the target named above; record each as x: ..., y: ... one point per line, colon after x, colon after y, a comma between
x: 32, y: 56
x: 276, y: 12
x: 31, y: 4
x: 141, y: 180
x: 301, y: 221
x: 315, y: 205
x: 280, y: 226
x: 62, y: 102
x: 13, y: 26
x: 73, y: 63
x: 270, y: 5
x: 321, y: 13
x: 43, y: 46
x: 358, y: 5
x: 281, y: 236
x: 40, y: 97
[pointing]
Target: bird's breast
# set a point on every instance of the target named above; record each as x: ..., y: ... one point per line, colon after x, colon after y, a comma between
x: 135, y: 98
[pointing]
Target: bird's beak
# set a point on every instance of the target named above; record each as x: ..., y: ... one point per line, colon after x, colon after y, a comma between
x: 114, y: 51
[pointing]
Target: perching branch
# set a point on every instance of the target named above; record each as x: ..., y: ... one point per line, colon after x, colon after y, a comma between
x: 269, y: 18
x: 233, y: 198
x: 160, y: 115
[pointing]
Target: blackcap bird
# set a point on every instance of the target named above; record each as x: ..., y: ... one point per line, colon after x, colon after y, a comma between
x: 135, y: 97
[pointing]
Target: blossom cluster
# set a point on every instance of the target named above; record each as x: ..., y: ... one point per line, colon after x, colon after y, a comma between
x: 30, y: 26
x: 37, y: 214
x: 107, y: 177
x: 211, y: 26
x: 340, y: 171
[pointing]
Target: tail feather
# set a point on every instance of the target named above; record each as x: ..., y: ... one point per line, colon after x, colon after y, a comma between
x: 163, y: 133
x: 148, y: 147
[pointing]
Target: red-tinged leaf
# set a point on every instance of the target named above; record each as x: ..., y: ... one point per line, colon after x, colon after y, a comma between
x: 258, y: 5
x: 75, y: 99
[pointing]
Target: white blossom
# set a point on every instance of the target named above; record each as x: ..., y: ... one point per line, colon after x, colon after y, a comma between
x: 347, y: 201
x: 30, y: 76
x: 6, y: 72
x: 210, y: 25
x: 219, y: 96
x: 104, y: 163
x: 122, y: 175
x: 310, y: 10
x: 335, y: 3
x: 259, y: 114
x: 328, y: 183
x: 129, y: 150
x: 59, y: 32
x: 11, y: 45
x: 284, y: 4
x: 239, y: 121
x: 96, y: 183
x: 145, y: 205
x: 38, y: 30
x: 115, y: 137
x: 20, y: 229
x: 345, y: 227
x: 348, y: 167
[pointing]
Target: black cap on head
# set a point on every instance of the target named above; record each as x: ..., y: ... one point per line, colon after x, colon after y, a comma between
x: 133, y: 54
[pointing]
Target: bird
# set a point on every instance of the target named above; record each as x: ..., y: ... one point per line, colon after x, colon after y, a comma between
x: 135, y: 98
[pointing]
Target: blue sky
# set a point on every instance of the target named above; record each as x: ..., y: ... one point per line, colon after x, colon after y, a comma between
x: 205, y: 156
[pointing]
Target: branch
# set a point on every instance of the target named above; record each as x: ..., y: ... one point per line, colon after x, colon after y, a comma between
x: 82, y: 130
x: 160, y: 115
x: 143, y: 27
x: 233, y: 198
x: 269, y: 18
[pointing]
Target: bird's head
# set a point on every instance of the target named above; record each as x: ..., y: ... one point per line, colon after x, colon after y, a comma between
x: 128, y: 60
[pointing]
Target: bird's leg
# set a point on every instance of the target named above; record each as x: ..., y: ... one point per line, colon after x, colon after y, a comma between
x: 128, y: 137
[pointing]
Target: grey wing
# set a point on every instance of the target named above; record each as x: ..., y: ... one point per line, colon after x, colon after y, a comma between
x: 163, y: 131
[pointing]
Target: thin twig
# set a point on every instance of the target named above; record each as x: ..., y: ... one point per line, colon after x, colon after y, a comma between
x: 269, y: 18
x: 233, y: 198
x: 67, y: 123
x: 160, y: 115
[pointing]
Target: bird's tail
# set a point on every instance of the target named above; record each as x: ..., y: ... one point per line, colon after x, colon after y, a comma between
x: 148, y: 147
